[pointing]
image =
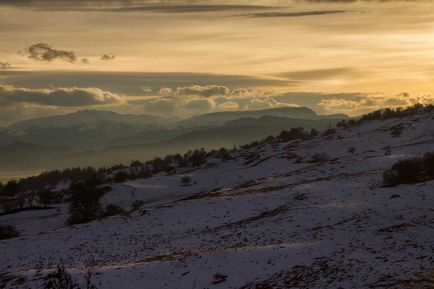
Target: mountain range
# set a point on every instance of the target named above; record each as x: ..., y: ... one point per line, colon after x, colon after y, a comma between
x: 102, y: 138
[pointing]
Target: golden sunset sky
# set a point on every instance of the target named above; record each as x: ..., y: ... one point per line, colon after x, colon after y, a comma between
x: 180, y: 58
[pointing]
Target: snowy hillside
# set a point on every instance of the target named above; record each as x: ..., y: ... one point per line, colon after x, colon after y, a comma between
x: 277, y: 216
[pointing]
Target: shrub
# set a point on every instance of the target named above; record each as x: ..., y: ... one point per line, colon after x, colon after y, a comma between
x: 352, y: 150
x: 397, y: 130
x: 8, y: 232
x: 329, y: 132
x: 60, y: 279
x: 137, y: 205
x: 198, y: 157
x: 9, y: 206
x: 121, y: 177
x: 405, y: 172
x: 11, y: 189
x: 387, y: 151
x: 170, y: 169
x: 186, y: 181
x: 320, y: 157
x: 292, y: 134
x: 46, y: 197
x: 85, y: 205
x: 314, y: 132
x: 224, y: 154
x: 389, y: 113
x: 136, y: 163
x: 428, y: 160
x: 111, y: 210
x: 219, y: 278
x: 52, y: 178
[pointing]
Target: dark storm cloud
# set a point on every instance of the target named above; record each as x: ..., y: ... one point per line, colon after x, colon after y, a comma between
x: 292, y: 14
x: 45, y: 52
x: 62, y: 97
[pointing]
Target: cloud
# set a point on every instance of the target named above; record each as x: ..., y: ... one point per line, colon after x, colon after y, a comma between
x: 292, y: 14
x: 106, y: 57
x: 322, y: 74
x: 44, y: 52
x: 147, y: 89
x: 205, y: 91
x: 373, y: 102
x: 132, y: 83
x: 229, y: 105
x: 85, y: 61
x: 61, y: 97
x: 162, y: 106
x: 130, y: 6
x: 5, y: 65
x: 200, y: 105
x: 196, y: 99
x: 264, y: 103
x: 166, y: 92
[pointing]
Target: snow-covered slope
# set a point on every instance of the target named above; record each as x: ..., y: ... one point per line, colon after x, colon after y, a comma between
x: 268, y: 219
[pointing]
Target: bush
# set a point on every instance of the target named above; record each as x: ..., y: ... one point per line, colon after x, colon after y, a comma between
x: 186, y: 181
x: 46, y: 197
x: 137, y: 204
x: 409, y: 171
x: 8, y: 232
x: 60, y: 279
x: 197, y: 157
x: 85, y: 205
x: 224, y: 154
x: 387, y: 151
x: 121, y: 177
x: 330, y: 132
x: 428, y: 160
x: 292, y: 134
x: 111, y: 210
x: 314, y: 132
x: 9, y: 206
x: 397, y: 130
x: 52, y: 178
x: 352, y: 150
x: 320, y: 157
x: 11, y: 189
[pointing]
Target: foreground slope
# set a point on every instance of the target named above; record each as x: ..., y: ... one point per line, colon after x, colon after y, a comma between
x: 270, y: 218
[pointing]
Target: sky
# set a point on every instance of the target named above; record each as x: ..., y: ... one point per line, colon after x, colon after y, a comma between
x: 181, y: 58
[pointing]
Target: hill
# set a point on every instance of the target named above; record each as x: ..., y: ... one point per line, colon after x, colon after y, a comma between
x: 219, y: 118
x: 88, y: 129
x: 232, y: 134
x: 282, y: 214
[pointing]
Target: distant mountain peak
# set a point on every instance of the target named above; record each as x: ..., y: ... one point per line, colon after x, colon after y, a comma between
x: 221, y: 117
